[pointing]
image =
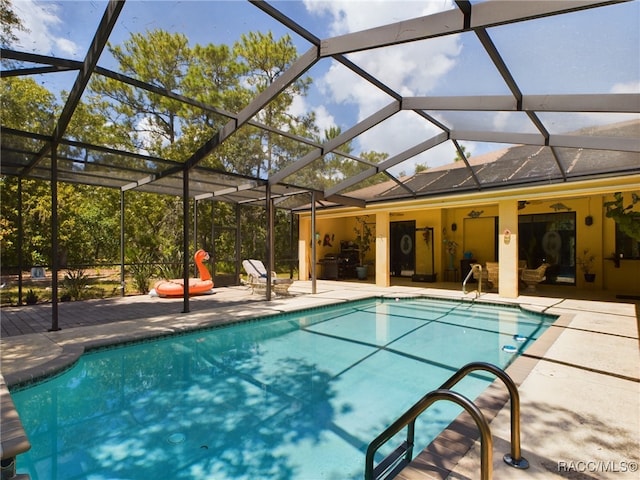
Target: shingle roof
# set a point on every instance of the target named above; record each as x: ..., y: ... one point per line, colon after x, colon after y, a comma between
x: 521, y: 164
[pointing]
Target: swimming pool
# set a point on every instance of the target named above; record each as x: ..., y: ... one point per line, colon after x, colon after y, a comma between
x: 295, y: 396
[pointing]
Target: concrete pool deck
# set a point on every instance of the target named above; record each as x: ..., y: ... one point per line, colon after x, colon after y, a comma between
x: 579, y: 384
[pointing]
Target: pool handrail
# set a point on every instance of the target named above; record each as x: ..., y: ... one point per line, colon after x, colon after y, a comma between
x: 478, y: 267
x: 514, y: 458
x: 408, y: 420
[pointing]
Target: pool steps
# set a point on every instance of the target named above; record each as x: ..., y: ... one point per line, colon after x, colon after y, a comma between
x: 402, y: 455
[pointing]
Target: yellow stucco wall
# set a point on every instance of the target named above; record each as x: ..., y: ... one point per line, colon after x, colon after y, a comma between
x: 623, y: 276
x: 477, y: 219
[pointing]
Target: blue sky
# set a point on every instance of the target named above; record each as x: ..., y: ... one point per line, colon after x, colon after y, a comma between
x: 593, y: 51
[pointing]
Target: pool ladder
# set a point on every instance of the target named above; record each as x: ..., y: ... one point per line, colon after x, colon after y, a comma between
x: 402, y: 455
x: 476, y: 267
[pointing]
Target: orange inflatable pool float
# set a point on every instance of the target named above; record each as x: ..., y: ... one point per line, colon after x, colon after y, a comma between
x: 197, y: 286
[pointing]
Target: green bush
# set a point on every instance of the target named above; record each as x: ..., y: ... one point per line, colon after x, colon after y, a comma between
x: 142, y: 269
x: 75, y: 283
x: 31, y: 298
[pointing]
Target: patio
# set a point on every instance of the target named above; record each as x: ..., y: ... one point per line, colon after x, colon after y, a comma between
x: 579, y: 384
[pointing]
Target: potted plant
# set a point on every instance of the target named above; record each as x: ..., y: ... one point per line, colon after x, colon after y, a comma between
x: 450, y: 246
x: 364, y: 238
x: 586, y: 262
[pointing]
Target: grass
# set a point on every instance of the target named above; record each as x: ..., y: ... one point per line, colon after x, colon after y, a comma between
x: 99, y: 283
x: 92, y: 284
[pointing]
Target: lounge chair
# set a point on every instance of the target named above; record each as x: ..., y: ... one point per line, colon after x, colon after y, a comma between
x: 257, y: 278
x: 492, y: 274
x: 532, y: 277
x: 488, y: 273
x: 479, y: 272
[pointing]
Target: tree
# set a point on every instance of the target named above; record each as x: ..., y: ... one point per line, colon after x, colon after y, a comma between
x: 118, y: 115
x: 161, y: 59
x: 464, y: 151
x: 263, y: 59
x: 213, y: 78
x: 10, y: 23
x: 626, y: 217
x: 25, y: 106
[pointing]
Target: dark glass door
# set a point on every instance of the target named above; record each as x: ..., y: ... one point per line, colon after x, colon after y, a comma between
x: 550, y: 238
x: 403, y: 248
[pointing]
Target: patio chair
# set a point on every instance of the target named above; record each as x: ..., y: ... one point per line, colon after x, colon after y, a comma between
x: 257, y: 278
x: 488, y: 273
x: 479, y: 272
x: 533, y: 276
x: 492, y: 269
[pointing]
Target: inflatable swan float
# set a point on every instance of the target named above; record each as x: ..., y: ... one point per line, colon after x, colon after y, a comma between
x: 197, y: 286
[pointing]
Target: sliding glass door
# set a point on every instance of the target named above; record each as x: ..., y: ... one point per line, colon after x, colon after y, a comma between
x: 550, y: 238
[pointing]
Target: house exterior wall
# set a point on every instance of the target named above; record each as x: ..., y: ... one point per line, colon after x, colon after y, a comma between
x: 586, y: 199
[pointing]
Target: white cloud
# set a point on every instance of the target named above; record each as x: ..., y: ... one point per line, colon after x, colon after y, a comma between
x: 66, y: 45
x: 324, y: 119
x: 409, y: 69
x: 41, y: 20
x: 629, y: 87
x: 354, y: 15
x: 501, y: 121
x: 149, y: 134
x: 423, y: 68
x: 367, y: 98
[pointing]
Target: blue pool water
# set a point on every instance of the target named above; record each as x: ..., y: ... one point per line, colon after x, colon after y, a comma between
x: 297, y: 396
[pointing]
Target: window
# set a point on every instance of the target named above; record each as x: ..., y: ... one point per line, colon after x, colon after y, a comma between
x: 626, y: 247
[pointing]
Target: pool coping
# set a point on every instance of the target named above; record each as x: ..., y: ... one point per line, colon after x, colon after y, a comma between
x: 70, y: 344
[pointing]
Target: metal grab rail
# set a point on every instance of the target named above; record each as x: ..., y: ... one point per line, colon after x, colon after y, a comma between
x: 391, y: 467
x: 392, y: 463
x: 478, y: 267
x: 514, y: 458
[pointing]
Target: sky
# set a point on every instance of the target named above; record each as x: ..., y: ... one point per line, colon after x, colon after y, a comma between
x: 563, y: 54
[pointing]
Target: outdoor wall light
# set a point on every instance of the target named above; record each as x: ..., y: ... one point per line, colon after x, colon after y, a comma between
x: 454, y: 227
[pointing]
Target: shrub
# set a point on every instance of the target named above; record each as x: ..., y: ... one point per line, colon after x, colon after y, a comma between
x: 31, y: 298
x: 142, y: 269
x: 75, y: 283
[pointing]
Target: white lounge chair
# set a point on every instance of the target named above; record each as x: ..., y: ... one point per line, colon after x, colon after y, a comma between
x: 257, y: 278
